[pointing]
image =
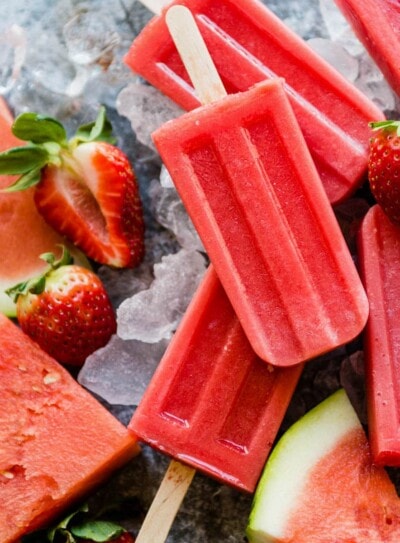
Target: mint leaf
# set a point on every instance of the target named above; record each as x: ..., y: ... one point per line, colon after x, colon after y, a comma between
x: 97, y: 530
x: 38, y: 129
x: 20, y: 160
x: 100, y: 130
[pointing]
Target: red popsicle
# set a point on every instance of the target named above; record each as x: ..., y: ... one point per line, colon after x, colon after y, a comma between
x: 251, y: 188
x: 249, y: 44
x: 376, y: 23
x: 212, y: 403
x: 379, y: 254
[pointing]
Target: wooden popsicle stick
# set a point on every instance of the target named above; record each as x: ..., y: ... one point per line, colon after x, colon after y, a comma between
x: 194, y: 54
x: 205, y: 79
x: 166, y: 503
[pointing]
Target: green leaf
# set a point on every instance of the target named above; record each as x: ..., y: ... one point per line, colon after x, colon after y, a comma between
x: 97, y: 530
x: 26, y: 181
x: 63, y: 525
x: 64, y: 260
x: 35, y: 285
x: 38, y: 128
x: 100, y: 130
x: 390, y: 124
x: 20, y: 160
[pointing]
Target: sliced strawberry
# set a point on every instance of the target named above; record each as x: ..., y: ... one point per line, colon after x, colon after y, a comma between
x: 85, y: 186
x: 94, y: 201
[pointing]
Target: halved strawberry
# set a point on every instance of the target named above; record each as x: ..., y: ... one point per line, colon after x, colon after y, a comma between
x: 85, y: 186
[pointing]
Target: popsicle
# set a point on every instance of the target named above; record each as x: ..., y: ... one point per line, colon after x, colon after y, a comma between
x: 249, y: 44
x: 57, y: 441
x: 248, y: 182
x: 379, y: 255
x: 212, y: 404
x: 376, y: 23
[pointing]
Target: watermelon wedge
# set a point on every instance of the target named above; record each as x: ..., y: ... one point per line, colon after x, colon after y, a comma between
x: 57, y: 442
x: 319, y: 485
x: 24, y: 234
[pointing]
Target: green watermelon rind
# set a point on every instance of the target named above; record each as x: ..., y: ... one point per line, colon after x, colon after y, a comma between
x: 296, y: 453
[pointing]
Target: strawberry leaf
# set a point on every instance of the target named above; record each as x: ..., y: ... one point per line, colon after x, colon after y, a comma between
x: 39, y: 129
x: 97, y: 530
x: 100, y: 130
x: 20, y: 160
x: 26, y: 181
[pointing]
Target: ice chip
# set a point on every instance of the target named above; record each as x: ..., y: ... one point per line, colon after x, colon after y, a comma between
x: 170, y: 212
x: 165, y: 178
x: 146, y: 108
x: 335, y: 22
x: 12, y: 56
x: 120, y: 371
x: 153, y: 314
x: 372, y: 83
x: 337, y: 56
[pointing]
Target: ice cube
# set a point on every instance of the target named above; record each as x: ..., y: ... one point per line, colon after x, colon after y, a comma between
x: 120, y: 371
x: 154, y: 314
x: 13, y: 45
x: 170, y: 212
x: 337, y: 56
x: 146, y: 108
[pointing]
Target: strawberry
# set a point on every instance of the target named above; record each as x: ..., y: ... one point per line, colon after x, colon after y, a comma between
x: 85, y: 187
x: 66, y: 310
x: 384, y: 167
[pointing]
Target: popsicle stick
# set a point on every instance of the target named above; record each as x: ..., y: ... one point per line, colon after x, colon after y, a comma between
x: 205, y: 79
x: 194, y: 54
x: 166, y: 503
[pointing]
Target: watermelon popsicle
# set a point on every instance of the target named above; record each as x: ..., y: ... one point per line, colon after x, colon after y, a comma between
x: 248, y: 181
x: 249, y: 44
x: 379, y: 254
x: 212, y: 404
x: 376, y: 23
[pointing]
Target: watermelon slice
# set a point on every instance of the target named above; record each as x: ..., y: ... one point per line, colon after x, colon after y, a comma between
x: 57, y: 442
x: 24, y: 234
x: 319, y: 485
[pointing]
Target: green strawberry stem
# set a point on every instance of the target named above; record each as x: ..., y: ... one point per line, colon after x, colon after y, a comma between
x: 37, y: 284
x: 386, y: 125
x: 47, y: 141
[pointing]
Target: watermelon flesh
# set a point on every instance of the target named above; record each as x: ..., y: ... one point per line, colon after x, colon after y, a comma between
x: 56, y: 441
x: 24, y: 234
x: 320, y: 486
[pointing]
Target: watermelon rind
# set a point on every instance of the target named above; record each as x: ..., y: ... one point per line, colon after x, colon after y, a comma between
x: 305, y: 443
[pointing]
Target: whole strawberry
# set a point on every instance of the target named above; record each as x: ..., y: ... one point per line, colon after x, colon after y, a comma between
x: 384, y: 167
x: 66, y: 310
x: 85, y: 187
